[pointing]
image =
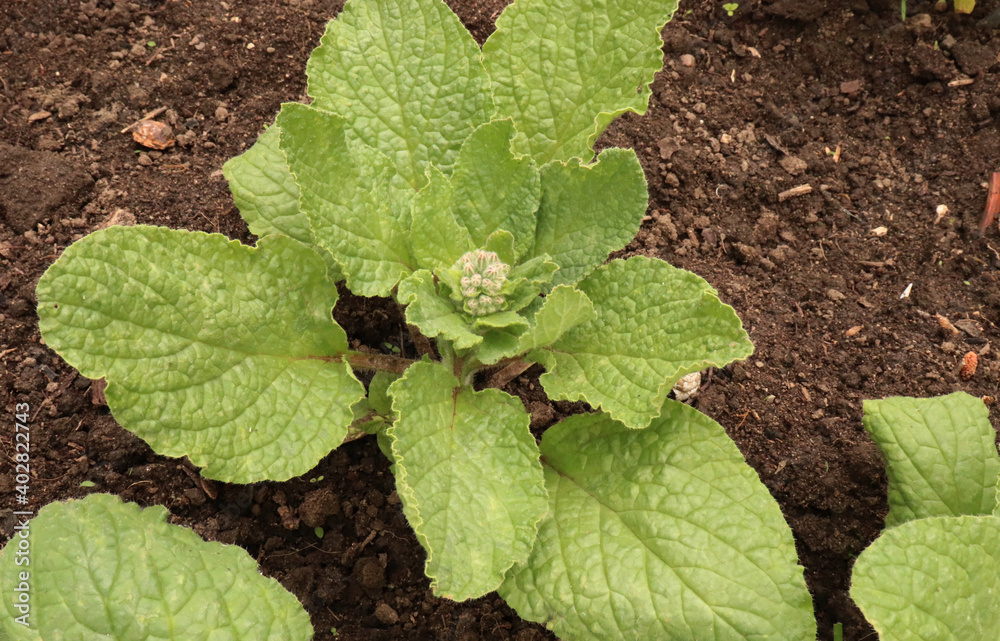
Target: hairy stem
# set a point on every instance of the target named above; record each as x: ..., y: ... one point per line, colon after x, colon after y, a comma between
x: 421, y: 342
x: 504, y: 375
x: 382, y: 362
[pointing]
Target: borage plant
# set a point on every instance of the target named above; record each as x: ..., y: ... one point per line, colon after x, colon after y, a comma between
x: 462, y: 183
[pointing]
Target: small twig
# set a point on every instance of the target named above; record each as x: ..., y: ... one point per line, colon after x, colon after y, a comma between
x: 159, y: 54
x: 149, y: 115
x: 502, y: 376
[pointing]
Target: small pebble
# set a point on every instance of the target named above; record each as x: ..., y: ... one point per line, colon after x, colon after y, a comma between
x: 145, y: 160
x: 687, y: 60
x: 221, y: 113
x: 385, y: 614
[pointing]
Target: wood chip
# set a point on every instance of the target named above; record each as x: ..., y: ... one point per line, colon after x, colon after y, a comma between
x: 961, y: 82
x: 946, y: 324
x: 794, y: 192
x: 854, y: 331
x: 39, y: 115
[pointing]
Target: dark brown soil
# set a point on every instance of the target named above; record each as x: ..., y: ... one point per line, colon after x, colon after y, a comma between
x: 836, y: 95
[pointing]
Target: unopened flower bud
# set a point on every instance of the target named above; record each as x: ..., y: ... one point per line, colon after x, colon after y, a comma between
x: 483, y: 279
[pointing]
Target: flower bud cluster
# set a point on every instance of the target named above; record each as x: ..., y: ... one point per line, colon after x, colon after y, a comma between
x: 483, y: 276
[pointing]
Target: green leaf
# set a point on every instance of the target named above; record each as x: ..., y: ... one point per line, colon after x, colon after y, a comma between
x: 494, y: 189
x: 932, y: 578
x: 502, y: 320
x: 564, y: 69
x: 437, y: 240
x: 434, y: 315
x: 213, y: 350
x: 942, y: 460
x: 589, y: 211
x: 654, y: 323
x: 407, y: 76
x: 564, y: 308
x: 347, y: 191
x: 468, y: 474
x: 378, y: 392
x: 265, y: 192
x: 502, y: 242
x: 662, y: 533
x: 499, y: 344
x: 104, y: 569
x: 528, y: 279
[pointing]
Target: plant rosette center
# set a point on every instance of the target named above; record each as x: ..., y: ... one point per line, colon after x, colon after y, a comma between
x: 483, y: 278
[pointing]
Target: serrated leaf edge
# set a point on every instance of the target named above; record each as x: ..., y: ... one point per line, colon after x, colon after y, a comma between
x: 646, y: 89
x: 540, y: 356
x: 348, y: 141
x: 206, y: 463
x: 407, y: 491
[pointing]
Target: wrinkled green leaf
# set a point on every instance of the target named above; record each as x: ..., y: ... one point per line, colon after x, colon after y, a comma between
x: 103, y: 569
x: 437, y: 240
x: 940, y: 453
x: 267, y: 197
x: 347, y: 192
x: 564, y: 308
x: 434, y: 315
x: 654, y: 323
x: 265, y: 191
x: 213, y: 350
x: 468, y: 474
x: 661, y: 533
x: 932, y: 578
x: 407, y: 76
x: 495, y: 190
x: 564, y: 69
x: 589, y: 211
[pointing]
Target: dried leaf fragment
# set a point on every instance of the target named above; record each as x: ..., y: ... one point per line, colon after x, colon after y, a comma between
x: 153, y: 134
